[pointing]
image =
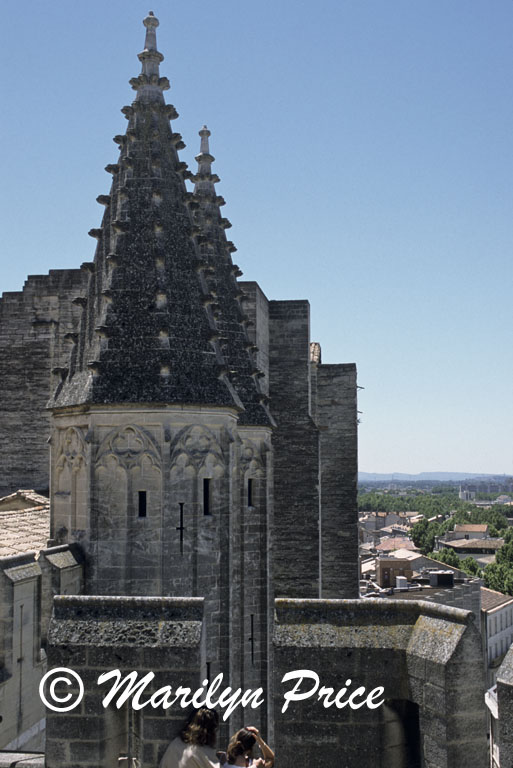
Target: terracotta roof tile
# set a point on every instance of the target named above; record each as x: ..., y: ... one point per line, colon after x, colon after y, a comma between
x: 491, y: 599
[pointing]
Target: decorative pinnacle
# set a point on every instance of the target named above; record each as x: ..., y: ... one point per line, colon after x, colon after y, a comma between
x: 204, y: 148
x: 149, y: 84
x: 151, y: 23
x: 203, y: 178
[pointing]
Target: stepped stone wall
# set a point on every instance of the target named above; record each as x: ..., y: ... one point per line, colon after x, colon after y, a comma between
x: 33, y: 326
x: 315, y: 452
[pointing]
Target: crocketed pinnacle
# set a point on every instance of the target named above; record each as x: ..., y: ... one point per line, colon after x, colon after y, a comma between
x: 148, y: 331
x: 216, y: 250
x: 149, y: 85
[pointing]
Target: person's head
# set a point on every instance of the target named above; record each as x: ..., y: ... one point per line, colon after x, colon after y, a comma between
x: 201, y: 728
x: 241, y: 743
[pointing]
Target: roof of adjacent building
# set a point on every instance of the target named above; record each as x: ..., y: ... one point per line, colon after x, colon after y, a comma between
x: 396, y: 542
x: 24, y: 529
x: 394, y: 527
x: 474, y: 543
x: 491, y: 599
x: 471, y: 528
x: 405, y: 554
x: 22, y: 500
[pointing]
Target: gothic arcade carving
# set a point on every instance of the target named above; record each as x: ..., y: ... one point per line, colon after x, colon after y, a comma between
x: 71, y: 483
x: 197, y: 447
x: 128, y: 445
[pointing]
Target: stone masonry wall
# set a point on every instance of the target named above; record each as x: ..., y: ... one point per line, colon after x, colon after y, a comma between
x: 33, y: 326
x: 92, y: 635
x: 178, y: 547
x: 426, y: 657
x: 256, y: 306
x: 336, y: 417
x: 296, y: 452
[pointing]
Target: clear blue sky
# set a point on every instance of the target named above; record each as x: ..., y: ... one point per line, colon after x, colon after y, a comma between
x: 366, y: 156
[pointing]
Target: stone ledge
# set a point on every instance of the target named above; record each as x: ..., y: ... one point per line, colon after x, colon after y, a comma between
x: 368, y: 612
x: 19, y: 759
x: 77, y: 607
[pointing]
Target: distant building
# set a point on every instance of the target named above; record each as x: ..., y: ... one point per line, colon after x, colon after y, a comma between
x: 468, y: 531
x: 497, y: 629
x: 482, y: 550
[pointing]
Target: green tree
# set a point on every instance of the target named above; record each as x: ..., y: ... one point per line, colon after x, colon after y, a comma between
x: 447, y: 556
x: 471, y: 566
x: 505, y: 555
x: 423, y: 534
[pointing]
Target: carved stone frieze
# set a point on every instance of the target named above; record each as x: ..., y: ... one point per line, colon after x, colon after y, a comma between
x: 196, y: 446
x: 253, y: 456
x: 128, y: 445
x: 72, y: 448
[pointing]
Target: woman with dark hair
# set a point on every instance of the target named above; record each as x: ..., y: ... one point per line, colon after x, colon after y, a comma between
x: 194, y: 748
x: 240, y: 749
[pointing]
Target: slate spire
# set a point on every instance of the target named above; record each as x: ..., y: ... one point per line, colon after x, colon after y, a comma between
x: 216, y: 250
x: 148, y: 331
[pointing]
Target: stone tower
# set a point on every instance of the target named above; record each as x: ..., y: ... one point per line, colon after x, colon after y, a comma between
x: 199, y: 447
x: 161, y: 437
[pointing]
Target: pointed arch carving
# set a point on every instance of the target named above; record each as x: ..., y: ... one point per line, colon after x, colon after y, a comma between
x: 128, y: 445
x: 196, y: 446
x: 70, y: 483
x: 72, y: 449
x: 252, y: 456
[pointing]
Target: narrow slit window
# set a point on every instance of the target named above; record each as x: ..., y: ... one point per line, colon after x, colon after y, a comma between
x: 252, y: 637
x: 250, y: 492
x: 206, y: 496
x: 180, y: 528
x: 142, y: 503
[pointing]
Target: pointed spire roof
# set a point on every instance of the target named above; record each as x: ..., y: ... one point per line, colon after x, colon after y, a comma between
x: 148, y: 331
x: 216, y: 250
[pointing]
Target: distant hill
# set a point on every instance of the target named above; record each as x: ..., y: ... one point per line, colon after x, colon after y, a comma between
x: 401, y: 477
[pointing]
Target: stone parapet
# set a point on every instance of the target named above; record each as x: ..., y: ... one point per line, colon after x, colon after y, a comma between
x: 425, y: 657
x: 92, y: 635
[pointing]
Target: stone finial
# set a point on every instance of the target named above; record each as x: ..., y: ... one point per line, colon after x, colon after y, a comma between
x: 204, y: 148
x: 204, y: 179
x: 149, y: 83
x: 151, y: 23
x: 204, y: 156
